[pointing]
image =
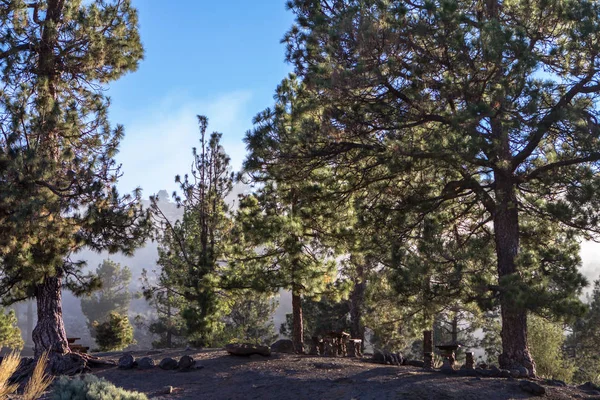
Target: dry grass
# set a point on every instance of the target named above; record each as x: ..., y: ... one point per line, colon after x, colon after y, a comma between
x: 9, y: 365
x: 39, y: 381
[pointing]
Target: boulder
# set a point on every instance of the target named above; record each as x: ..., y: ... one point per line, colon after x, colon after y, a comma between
x: 504, y: 373
x: 415, y: 363
x: 555, y: 382
x: 247, y: 349
x: 523, y: 372
x: 186, y: 363
x: 515, y: 373
x: 283, y: 346
x: 166, y: 390
x: 466, y: 372
x: 168, y: 364
x: 145, y: 363
x: 588, y: 386
x: 495, y: 372
x: 126, y: 361
x: 386, y: 357
x: 532, y: 388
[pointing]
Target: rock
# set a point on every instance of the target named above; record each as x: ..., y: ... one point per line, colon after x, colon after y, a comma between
x: 588, y: 386
x: 186, y: 363
x: 555, y: 382
x: 523, y: 372
x: 283, y: 346
x: 532, y: 388
x: 378, y: 357
x: 386, y: 357
x: 504, y: 373
x: 415, y: 363
x: 145, y: 363
x: 247, y: 349
x: 126, y: 361
x: 166, y: 389
x: 168, y: 364
x: 515, y: 373
x: 466, y: 372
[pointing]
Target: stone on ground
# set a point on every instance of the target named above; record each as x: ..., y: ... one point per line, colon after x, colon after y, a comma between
x: 145, y: 363
x: 186, y: 363
x: 532, y: 388
x: 126, y: 361
x: 283, y: 346
x: 247, y: 349
x: 168, y: 364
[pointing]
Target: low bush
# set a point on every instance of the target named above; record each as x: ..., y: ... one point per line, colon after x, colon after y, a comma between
x: 114, y: 334
x: 91, y: 388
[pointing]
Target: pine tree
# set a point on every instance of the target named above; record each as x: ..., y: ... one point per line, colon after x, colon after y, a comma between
x: 114, y: 294
x: 57, y: 167
x: 292, y: 238
x: 486, y: 107
x: 167, y: 303
x: 584, y: 341
x: 10, y: 334
x: 249, y: 318
x: 191, y: 249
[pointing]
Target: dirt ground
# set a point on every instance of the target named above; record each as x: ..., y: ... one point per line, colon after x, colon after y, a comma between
x: 286, y: 376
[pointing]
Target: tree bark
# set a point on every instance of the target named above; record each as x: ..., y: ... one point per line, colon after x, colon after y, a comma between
x: 297, y: 323
x: 515, y: 351
x: 454, y: 329
x: 29, y: 331
x: 357, y: 299
x: 169, y: 326
x: 49, y: 333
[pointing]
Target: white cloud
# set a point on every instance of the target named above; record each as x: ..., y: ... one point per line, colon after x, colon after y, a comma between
x: 158, y: 141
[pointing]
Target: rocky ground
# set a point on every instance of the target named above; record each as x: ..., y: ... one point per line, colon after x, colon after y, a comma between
x: 288, y: 376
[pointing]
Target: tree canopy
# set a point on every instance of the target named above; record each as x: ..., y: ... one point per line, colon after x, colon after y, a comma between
x: 483, y: 109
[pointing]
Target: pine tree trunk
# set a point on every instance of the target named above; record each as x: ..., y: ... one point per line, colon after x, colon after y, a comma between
x: 515, y: 351
x: 29, y: 331
x: 454, y: 329
x: 169, y: 326
x: 49, y: 333
x: 357, y: 299
x: 297, y: 322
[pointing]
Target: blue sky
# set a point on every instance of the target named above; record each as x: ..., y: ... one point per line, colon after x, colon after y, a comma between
x: 222, y: 59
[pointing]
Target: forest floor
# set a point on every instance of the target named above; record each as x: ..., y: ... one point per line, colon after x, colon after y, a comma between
x: 289, y: 376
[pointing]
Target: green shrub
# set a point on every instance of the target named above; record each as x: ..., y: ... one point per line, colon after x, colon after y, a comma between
x: 10, y: 334
x: 114, y: 334
x: 91, y: 388
x: 546, y: 340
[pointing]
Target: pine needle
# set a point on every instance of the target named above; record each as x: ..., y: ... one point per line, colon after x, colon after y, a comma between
x: 9, y: 365
x: 39, y: 381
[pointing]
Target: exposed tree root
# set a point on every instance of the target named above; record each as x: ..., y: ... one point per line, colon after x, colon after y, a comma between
x: 62, y: 364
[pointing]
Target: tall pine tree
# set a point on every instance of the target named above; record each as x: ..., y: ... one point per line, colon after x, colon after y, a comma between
x: 293, y: 236
x: 114, y: 294
x: 57, y: 167
x: 192, y: 250
x: 482, y: 103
